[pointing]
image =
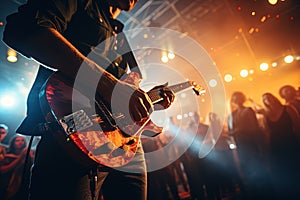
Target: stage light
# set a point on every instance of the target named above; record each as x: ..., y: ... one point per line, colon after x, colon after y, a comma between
x: 263, y: 19
x: 244, y: 73
x: 179, y: 117
x: 274, y: 64
x: 171, y: 55
x: 11, y: 55
x: 288, y: 59
x: 212, y: 83
x: 231, y: 143
x: 232, y: 146
x: 7, y: 101
x: 251, y: 30
x: 228, y: 78
x: 272, y: 2
x: 164, y: 58
x: 264, y: 66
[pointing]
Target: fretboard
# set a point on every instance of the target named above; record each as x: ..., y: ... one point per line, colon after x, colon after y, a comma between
x: 155, y: 95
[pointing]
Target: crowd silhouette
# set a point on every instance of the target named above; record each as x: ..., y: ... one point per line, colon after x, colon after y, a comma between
x: 254, y: 157
x: 254, y: 154
x: 15, y: 168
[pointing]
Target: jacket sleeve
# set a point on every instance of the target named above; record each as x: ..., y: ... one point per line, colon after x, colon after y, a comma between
x: 37, y: 14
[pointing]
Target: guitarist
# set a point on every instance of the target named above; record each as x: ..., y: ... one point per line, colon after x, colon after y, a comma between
x: 60, y: 34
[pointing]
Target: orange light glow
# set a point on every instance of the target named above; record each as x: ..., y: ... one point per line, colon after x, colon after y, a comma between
x: 264, y: 66
x: 272, y: 2
x: 244, y: 73
x: 288, y: 59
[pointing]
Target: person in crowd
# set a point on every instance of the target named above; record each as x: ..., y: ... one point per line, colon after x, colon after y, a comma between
x: 298, y: 93
x: 14, y: 170
x: 3, y: 133
x: 193, y: 165
x: 162, y: 182
x: 289, y: 94
x: 243, y: 126
x: 220, y: 172
x: 283, y: 125
x: 66, y: 36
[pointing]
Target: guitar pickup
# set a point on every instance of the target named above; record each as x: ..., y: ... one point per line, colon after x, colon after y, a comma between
x: 75, y: 122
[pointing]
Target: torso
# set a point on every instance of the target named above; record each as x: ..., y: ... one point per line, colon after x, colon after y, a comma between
x: 282, y: 135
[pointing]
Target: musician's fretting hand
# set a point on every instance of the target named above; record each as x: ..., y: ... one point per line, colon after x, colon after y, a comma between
x: 167, y: 95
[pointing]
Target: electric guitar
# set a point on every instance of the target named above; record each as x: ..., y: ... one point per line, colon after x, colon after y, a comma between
x: 93, y: 134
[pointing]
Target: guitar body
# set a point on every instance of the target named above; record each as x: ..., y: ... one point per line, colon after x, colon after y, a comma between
x: 98, y: 143
x: 86, y: 127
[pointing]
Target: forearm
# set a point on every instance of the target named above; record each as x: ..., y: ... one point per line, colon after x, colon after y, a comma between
x: 48, y: 47
x: 10, y: 166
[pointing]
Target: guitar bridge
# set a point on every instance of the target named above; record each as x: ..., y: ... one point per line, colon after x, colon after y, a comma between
x: 75, y: 122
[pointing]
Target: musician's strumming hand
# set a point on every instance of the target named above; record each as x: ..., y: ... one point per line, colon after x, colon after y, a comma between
x: 131, y: 101
x: 140, y: 106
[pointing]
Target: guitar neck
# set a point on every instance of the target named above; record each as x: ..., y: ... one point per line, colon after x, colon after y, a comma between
x: 180, y: 86
x: 156, y: 95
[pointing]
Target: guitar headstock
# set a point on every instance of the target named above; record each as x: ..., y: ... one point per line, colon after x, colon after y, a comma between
x: 197, y: 88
